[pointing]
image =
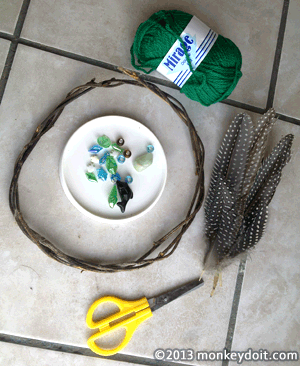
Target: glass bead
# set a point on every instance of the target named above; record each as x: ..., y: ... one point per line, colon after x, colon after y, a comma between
x: 150, y: 148
x: 91, y: 177
x: 104, y: 141
x: 113, y: 197
x: 125, y: 193
x: 128, y: 179
x: 101, y: 174
x: 102, y: 160
x: 142, y: 162
x: 127, y: 153
x: 111, y: 165
x: 90, y: 167
x: 95, y: 149
x: 120, y: 141
x: 115, y: 177
x: 117, y: 148
x: 94, y: 159
x: 121, y: 159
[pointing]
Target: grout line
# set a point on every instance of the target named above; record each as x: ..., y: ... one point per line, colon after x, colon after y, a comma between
x: 234, y: 308
x: 277, y: 56
x: 90, y: 61
x: 73, y: 56
x: 21, y: 19
x: 7, y: 36
x: 289, y: 119
x: 13, y: 47
x: 7, y: 67
x: 245, y: 106
x: 251, y: 108
x: 82, y: 351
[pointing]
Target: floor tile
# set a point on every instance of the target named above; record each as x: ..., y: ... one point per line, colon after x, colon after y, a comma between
x: 4, y: 47
x: 288, y: 83
x: 46, y: 300
x: 16, y: 355
x: 105, y: 31
x: 9, y: 13
x: 268, y: 315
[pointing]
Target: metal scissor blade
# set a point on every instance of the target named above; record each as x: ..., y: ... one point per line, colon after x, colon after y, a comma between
x: 159, y: 301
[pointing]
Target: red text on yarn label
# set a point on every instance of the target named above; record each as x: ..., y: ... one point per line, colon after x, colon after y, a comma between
x: 197, y: 40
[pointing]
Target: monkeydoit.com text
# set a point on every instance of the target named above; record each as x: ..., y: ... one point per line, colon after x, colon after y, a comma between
x: 188, y: 354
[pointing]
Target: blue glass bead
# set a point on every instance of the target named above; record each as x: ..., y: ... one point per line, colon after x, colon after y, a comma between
x: 121, y: 159
x: 95, y: 149
x: 128, y: 179
x: 115, y: 177
x: 101, y: 174
x: 150, y: 148
x: 102, y: 160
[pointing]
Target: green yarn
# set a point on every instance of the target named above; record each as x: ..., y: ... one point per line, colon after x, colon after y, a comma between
x: 212, y: 81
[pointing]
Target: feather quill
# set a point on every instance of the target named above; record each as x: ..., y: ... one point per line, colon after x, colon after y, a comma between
x: 241, y: 188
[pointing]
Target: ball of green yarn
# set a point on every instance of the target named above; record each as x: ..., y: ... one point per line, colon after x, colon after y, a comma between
x: 212, y: 81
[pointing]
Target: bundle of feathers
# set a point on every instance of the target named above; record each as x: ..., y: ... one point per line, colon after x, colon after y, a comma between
x: 242, y: 185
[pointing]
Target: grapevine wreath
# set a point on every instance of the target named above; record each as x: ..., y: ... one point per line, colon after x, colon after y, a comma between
x: 49, y: 248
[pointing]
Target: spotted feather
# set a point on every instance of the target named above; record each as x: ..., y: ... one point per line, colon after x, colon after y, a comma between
x: 275, y: 162
x: 241, y: 188
x: 251, y: 231
x: 258, y: 148
x: 221, y: 165
x: 229, y: 167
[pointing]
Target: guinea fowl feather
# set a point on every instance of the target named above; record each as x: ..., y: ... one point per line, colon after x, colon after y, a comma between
x: 259, y: 143
x: 241, y: 188
x: 214, y: 202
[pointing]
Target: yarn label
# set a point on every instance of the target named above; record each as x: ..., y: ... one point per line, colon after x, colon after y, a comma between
x: 198, y: 39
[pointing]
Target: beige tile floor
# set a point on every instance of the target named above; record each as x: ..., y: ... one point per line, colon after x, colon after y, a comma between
x: 9, y: 15
x: 44, y: 300
x: 4, y: 47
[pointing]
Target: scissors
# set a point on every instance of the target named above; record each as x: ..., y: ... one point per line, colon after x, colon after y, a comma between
x: 130, y: 315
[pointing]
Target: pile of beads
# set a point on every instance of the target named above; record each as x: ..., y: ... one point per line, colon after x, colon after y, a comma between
x: 108, y: 160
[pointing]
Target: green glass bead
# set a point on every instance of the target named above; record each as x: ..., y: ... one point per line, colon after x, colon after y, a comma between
x: 104, y: 141
x: 91, y: 177
x: 142, y: 162
x: 111, y: 164
x: 116, y: 147
x: 113, y: 197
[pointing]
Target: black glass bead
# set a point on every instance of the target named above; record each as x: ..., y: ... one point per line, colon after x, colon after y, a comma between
x: 127, y: 153
x: 120, y: 141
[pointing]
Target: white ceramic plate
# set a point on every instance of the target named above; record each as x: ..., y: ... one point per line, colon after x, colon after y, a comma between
x: 92, y: 198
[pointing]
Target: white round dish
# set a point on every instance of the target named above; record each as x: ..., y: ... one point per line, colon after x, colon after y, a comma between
x: 92, y: 198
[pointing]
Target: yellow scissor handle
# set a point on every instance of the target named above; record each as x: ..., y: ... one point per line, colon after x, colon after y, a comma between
x: 134, y: 313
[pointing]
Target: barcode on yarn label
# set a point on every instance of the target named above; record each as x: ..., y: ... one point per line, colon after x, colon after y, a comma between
x: 198, y: 39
